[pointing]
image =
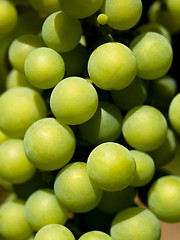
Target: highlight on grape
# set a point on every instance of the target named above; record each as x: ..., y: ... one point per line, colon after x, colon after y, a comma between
x: 89, y: 119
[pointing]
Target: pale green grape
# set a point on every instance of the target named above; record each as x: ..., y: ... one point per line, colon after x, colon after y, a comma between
x: 145, y: 168
x: 153, y: 53
x: 21, y: 47
x: 3, y: 136
x: 174, y: 113
x: 14, y: 165
x: 135, y: 223
x: 161, y: 92
x: 111, y: 166
x: 45, y: 6
x: 165, y: 87
x: 8, y: 17
x: 13, y: 224
x: 30, y: 22
x: 75, y: 60
x: 92, y: 235
x: 74, y: 100
x: 104, y: 126
x: 165, y: 153
x: 144, y: 128
x: 49, y: 144
x: 164, y: 197
x: 154, y: 27
x: 163, y: 15
x: 5, y: 184
x: 54, y: 232
x: 102, y: 19
x: 61, y: 32
x: 112, y: 66
x: 75, y: 190
x: 113, y: 202
x: 19, y: 108
x: 80, y: 8
x: 43, y: 208
x: 44, y: 67
x: 131, y: 96
x: 16, y: 78
x: 123, y: 14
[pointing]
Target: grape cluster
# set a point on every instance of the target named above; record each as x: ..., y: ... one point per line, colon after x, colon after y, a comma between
x: 89, y: 118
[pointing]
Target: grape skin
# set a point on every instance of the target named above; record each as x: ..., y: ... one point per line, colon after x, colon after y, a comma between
x: 54, y: 232
x: 49, y: 144
x: 61, y: 32
x: 153, y: 53
x: 104, y: 126
x: 19, y: 108
x: 111, y: 166
x: 44, y: 67
x: 122, y: 15
x: 112, y: 66
x: 80, y: 9
x: 13, y: 224
x: 74, y: 100
x: 43, y: 208
x: 75, y: 190
x: 14, y: 165
x: 21, y: 47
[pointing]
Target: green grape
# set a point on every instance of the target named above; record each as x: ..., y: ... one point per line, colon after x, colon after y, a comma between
x: 13, y: 224
x: 160, y: 14
x: 174, y: 113
x: 104, y: 126
x: 123, y: 14
x: 102, y: 19
x: 30, y: 22
x: 165, y: 87
x: 173, y: 7
x: 75, y: 190
x: 161, y: 92
x: 145, y: 168
x: 21, y: 47
x: 133, y: 95
x: 43, y: 208
x: 153, y: 53
x: 14, y: 165
x: 45, y: 6
x: 112, y: 66
x: 164, y: 197
x: 75, y: 60
x: 44, y: 67
x: 3, y: 136
x: 135, y: 223
x: 165, y: 153
x: 92, y: 235
x: 154, y: 27
x: 16, y: 78
x: 19, y: 108
x: 111, y: 166
x: 142, y: 192
x: 49, y: 144
x: 8, y: 17
x: 80, y: 8
x: 5, y: 184
x: 30, y: 238
x: 74, y: 100
x: 144, y: 128
x: 61, y: 32
x: 113, y: 202
x: 54, y: 232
